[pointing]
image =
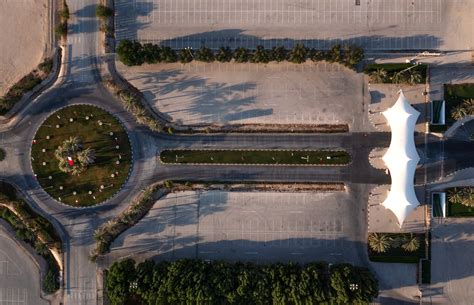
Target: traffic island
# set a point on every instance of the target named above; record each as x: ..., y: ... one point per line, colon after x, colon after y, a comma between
x: 81, y: 155
x: 256, y: 157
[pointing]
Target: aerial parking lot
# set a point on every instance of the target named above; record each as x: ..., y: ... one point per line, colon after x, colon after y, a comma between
x: 374, y: 25
x: 251, y: 226
x: 230, y: 93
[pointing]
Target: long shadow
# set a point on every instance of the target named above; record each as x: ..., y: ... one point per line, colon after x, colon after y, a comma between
x: 129, y: 12
x: 235, y: 38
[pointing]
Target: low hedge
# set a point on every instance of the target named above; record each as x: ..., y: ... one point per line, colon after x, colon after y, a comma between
x: 133, y: 53
x: 392, y: 68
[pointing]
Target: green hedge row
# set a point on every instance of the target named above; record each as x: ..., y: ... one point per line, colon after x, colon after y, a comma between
x: 133, y: 53
x: 189, y: 281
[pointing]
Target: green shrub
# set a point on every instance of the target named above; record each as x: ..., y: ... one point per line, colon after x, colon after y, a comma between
x: 298, y: 54
x: 317, y: 55
x: 64, y: 13
x: 151, y: 53
x: 186, y: 55
x: 261, y: 55
x: 335, y: 53
x: 2, y: 154
x: 46, y: 66
x: 130, y: 53
x: 224, y: 54
x: 103, y: 11
x: 168, y: 55
x: 205, y: 54
x: 241, y: 55
x: 279, y: 54
x: 61, y: 29
x: 352, y: 55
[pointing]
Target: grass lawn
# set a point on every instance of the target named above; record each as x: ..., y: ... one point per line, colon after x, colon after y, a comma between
x: 393, y: 68
x: 397, y: 254
x: 110, y: 142
x: 459, y: 210
x: 454, y: 95
x: 269, y: 157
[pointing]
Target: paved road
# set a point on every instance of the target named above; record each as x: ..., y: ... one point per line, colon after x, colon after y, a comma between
x: 81, y: 84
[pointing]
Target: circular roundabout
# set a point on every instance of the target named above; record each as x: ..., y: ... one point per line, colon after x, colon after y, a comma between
x: 81, y: 155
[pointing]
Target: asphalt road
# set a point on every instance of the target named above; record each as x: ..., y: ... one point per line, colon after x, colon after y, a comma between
x: 81, y: 84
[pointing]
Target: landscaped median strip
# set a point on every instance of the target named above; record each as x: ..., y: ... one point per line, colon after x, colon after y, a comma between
x: 255, y: 157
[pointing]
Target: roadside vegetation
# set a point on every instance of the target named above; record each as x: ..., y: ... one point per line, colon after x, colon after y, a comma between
x: 131, y: 101
x: 396, y: 247
x: 33, y: 229
x: 106, y: 234
x: 2, y: 154
x: 105, y: 15
x: 133, y: 53
x: 81, y: 155
x: 189, y: 281
x: 270, y: 157
x: 61, y: 28
x: 460, y: 202
x: 397, y: 73
x: 24, y: 85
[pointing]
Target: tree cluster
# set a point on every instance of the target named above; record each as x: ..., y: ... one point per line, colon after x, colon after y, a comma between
x: 189, y: 281
x: 133, y: 53
x: 81, y: 156
x: 462, y: 195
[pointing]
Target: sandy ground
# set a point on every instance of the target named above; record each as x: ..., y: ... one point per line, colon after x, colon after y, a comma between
x: 231, y: 93
x: 23, y: 37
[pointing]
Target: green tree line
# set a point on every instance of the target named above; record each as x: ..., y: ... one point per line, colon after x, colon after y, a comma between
x: 133, y: 53
x: 190, y: 281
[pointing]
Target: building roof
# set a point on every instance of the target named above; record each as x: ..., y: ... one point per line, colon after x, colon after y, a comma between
x: 401, y: 158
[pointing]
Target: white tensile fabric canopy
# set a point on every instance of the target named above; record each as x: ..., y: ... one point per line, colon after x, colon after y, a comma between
x: 401, y: 158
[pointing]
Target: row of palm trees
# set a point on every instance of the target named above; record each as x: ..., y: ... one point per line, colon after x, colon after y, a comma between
x: 464, y: 109
x: 410, y: 77
x: 382, y: 242
x: 81, y: 157
x: 462, y: 195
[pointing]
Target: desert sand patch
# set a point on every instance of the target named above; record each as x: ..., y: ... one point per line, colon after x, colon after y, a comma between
x: 23, y: 38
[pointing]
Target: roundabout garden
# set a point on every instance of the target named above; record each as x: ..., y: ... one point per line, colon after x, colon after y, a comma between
x: 81, y: 155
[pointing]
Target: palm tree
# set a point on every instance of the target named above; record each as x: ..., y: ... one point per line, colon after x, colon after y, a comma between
x: 86, y: 157
x: 411, y: 244
x: 414, y: 77
x: 399, y: 78
x: 454, y: 195
x: 458, y: 112
x: 379, y: 242
x: 468, y: 104
x: 467, y: 196
x: 378, y: 76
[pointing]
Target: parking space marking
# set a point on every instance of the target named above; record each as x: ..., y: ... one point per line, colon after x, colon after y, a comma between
x: 13, y: 296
